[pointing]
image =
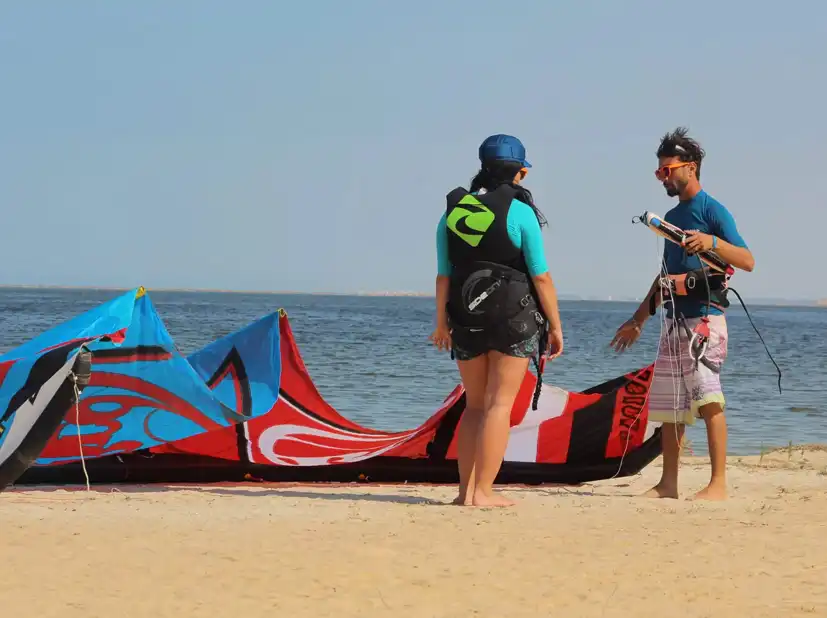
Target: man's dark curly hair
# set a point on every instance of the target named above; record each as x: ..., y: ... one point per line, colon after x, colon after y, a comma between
x: 678, y: 144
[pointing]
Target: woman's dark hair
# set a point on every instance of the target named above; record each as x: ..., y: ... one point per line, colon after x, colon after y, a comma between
x: 496, y: 173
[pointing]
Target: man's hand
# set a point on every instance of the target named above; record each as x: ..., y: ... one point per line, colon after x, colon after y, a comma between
x: 626, y: 335
x: 697, y: 242
x: 739, y: 257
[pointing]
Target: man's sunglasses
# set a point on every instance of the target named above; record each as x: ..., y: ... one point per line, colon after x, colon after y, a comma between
x: 664, y: 172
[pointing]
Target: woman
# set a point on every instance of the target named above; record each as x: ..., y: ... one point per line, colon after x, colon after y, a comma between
x: 496, y: 306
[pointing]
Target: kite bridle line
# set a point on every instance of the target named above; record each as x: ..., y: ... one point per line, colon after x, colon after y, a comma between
x: 674, y: 352
x: 74, y: 379
x: 662, y: 278
x: 636, y: 420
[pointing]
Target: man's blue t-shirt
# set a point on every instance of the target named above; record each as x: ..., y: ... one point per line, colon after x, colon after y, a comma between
x: 705, y: 214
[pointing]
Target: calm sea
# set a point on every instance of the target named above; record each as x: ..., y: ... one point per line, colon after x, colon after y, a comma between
x: 371, y: 359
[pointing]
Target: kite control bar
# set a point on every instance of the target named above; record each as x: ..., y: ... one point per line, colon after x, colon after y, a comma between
x: 657, y: 224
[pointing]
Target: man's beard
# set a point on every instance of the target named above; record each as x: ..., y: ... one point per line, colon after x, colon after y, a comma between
x: 672, y: 189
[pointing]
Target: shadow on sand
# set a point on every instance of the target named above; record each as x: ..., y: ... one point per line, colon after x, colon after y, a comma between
x: 251, y: 491
x: 327, y: 491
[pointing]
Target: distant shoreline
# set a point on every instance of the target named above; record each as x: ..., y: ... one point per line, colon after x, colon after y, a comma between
x: 105, y: 288
x: 399, y: 294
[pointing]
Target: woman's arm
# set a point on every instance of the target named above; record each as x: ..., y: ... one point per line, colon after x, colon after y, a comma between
x: 442, y: 284
x: 444, y: 268
x: 548, y: 299
x: 535, y: 257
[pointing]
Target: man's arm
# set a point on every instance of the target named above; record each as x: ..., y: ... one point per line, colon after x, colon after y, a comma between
x: 739, y: 257
x: 630, y: 330
x: 726, y: 240
x: 653, y: 297
x: 642, y: 313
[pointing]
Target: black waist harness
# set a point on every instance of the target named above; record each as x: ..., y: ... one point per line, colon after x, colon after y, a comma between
x: 494, y: 305
x: 486, y: 295
x: 704, y: 284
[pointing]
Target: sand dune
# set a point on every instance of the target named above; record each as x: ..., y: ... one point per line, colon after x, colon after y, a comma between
x: 368, y: 551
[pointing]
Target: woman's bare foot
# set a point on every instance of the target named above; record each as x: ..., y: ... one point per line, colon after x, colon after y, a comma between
x: 491, y: 499
x: 465, y: 497
x: 716, y: 490
x: 661, y: 491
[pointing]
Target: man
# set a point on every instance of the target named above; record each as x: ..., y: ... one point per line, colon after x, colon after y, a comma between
x: 684, y: 386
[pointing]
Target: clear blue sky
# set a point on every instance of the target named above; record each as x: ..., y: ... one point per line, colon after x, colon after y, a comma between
x: 309, y: 145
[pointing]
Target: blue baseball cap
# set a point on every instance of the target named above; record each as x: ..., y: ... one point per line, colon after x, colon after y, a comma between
x: 503, y: 148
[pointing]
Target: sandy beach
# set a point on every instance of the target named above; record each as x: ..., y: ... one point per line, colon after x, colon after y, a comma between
x: 369, y: 551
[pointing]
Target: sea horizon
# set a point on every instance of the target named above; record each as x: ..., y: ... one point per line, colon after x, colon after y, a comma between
x: 771, y: 302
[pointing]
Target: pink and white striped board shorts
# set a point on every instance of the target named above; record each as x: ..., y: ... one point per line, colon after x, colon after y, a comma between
x: 679, y: 388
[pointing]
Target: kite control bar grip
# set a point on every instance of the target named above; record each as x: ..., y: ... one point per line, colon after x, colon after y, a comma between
x: 671, y: 232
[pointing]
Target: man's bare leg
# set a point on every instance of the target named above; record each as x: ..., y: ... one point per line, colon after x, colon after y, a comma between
x: 671, y: 439
x: 716, y: 435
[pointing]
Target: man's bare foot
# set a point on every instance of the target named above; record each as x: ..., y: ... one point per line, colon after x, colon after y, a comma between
x: 714, y: 491
x: 492, y: 499
x: 661, y: 491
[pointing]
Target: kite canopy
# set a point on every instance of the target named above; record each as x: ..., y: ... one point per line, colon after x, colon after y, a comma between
x: 245, y: 407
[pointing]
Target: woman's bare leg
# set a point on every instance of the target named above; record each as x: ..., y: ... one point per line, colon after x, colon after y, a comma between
x: 505, y: 376
x: 474, y: 375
